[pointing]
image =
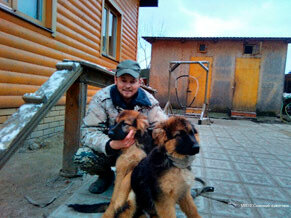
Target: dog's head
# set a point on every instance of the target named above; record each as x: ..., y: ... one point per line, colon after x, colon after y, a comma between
x: 128, y: 120
x: 178, y: 136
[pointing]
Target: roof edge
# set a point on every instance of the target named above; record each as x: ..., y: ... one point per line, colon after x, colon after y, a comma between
x: 148, y: 3
x: 152, y: 39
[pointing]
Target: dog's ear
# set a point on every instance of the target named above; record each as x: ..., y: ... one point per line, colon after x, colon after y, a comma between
x: 141, y: 123
x: 159, y: 135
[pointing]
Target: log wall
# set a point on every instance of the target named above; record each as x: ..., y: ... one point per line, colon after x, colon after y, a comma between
x: 29, y: 53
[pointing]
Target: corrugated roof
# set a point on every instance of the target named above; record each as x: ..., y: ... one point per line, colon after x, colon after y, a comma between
x: 152, y: 39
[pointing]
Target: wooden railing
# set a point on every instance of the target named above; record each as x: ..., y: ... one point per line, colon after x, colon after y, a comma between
x: 72, y: 78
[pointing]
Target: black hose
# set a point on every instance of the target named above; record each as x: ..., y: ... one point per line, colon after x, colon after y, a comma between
x: 176, y: 90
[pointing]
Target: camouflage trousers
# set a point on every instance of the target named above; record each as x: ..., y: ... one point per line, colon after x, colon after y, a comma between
x: 93, y: 162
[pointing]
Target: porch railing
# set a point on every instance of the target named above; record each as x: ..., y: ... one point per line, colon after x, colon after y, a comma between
x: 72, y: 78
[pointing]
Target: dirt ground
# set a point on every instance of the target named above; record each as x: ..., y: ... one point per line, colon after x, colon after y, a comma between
x: 35, y: 174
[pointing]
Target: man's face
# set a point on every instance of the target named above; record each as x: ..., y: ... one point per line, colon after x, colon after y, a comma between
x: 127, y: 85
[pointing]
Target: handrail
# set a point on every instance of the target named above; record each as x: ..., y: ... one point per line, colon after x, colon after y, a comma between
x: 71, y: 77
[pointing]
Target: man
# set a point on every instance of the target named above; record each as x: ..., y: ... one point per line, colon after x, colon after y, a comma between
x: 99, y: 152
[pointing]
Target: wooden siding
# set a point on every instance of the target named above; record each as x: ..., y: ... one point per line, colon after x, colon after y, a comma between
x: 29, y: 54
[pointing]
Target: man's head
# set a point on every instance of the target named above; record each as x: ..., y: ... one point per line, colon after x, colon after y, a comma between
x: 127, y: 78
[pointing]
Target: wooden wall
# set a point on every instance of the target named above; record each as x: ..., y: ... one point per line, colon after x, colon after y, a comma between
x: 28, y: 54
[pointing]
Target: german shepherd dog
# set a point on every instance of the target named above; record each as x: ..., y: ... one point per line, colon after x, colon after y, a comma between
x: 127, y: 120
x: 164, y: 177
x: 129, y: 158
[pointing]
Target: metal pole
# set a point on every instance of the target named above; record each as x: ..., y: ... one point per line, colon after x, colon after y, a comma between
x: 173, y: 66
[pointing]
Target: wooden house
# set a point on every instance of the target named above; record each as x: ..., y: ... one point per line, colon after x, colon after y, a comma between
x: 36, y: 34
x: 246, y: 74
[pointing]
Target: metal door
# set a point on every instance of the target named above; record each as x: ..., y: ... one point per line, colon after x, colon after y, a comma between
x: 246, y: 81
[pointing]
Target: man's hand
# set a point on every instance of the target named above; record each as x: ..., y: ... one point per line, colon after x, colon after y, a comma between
x: 125, y: 143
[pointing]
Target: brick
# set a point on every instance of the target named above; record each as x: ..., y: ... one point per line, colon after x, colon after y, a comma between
x: 48, y: 120
x: 8, y: 111
x: 36, y: 134
x: 59, y: 118
x: 62, y: 123
x: 53, y: 114
x: 44, y: 126
x: 62, y: 112
x: 48, y: 131
x: 53, y: 124
x: 58, y: 108
x: 3, y: 119
x: 59, y: 129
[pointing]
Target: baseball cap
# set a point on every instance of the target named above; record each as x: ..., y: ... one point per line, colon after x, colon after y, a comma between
x: 128, y: 67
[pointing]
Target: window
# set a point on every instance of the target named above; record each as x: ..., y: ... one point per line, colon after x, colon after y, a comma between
x: 31, y: 8
x: 248, y: 49
x: 202, y: 48
x: 252, y: 48
x: 40, y: 12
x: 110, y: 31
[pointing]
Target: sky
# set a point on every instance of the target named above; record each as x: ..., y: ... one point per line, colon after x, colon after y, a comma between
x: 215, y: 18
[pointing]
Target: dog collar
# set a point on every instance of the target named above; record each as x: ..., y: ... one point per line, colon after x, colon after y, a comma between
x: 181, y: 163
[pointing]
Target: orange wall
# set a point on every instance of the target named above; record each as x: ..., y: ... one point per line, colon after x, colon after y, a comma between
x: 29, y: 54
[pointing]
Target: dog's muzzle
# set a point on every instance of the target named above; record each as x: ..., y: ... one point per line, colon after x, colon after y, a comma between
x: 187, y: 145
x: 117, y: 132
x: 195, y: 149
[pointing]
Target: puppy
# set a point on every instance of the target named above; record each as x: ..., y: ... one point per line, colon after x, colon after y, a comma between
x: 127, y: 120
x: 164, y: 177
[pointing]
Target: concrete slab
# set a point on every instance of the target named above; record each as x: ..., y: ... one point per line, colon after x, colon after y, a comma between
x: 245, y: 161
x: 82, y: 196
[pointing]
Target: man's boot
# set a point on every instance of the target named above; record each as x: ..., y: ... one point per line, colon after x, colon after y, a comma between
x: 103, y: 182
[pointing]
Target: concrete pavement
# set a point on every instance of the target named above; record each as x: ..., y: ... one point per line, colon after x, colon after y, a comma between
x: 245, y: 161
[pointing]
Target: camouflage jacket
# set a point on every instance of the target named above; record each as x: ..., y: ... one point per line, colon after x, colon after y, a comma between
x: 102, y: 112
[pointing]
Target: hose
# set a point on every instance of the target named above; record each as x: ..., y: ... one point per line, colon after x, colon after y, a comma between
x: 286, y: 111
x: 176, y: 89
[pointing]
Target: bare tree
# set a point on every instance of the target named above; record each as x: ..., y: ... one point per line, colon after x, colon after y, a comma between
x: 144, y: 48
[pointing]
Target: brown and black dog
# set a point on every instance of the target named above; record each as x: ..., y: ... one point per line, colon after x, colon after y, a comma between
x: 129, y: 158
x: 164, y: 177
x: 127, y: 120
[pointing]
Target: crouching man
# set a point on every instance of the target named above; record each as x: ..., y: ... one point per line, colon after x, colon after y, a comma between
x: 98, y: 152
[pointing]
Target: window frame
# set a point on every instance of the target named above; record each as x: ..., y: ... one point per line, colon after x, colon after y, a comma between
x: 8, y: 4
x: 48, y: 14
x: 111, y: 8
x: 256, y: 48
x: 199, y: 45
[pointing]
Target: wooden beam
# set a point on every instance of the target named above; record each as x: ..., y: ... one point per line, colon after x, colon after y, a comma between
x: 75, y: 110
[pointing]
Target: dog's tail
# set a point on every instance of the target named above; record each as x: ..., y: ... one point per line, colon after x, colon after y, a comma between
x: 90, y: 208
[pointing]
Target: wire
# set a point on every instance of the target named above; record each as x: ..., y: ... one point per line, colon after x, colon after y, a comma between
x: 176, y: 89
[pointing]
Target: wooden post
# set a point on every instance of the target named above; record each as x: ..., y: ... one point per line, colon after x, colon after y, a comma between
x: 75, y: 110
